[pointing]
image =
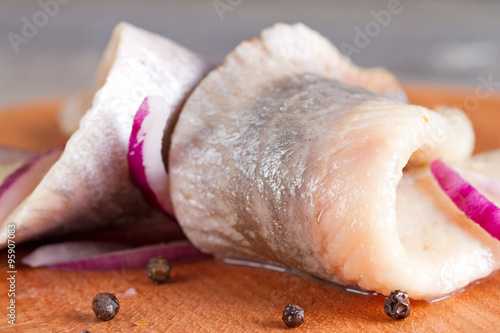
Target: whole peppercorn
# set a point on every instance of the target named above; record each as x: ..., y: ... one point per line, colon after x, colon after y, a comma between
x: 397, y: 305
x: 158, y: 270
x: 105, y: 306
x: 293, y: 315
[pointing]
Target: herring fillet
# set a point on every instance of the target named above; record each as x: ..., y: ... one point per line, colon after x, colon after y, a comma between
x: 282, y: 154
x: 89, y: 185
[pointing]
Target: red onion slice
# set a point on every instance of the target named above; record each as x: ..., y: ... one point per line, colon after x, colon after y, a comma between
x: 145, y: 160
x: 68, y: 251
x: 134, y: 258
x: 475, y: 205
x: 13, y: 155
x: 24, y: 180
x: 11, y: 159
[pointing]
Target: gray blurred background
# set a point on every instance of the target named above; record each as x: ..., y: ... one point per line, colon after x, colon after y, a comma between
x: 449, y: 42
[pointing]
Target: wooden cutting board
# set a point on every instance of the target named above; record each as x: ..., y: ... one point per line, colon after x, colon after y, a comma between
x: 211, y: 296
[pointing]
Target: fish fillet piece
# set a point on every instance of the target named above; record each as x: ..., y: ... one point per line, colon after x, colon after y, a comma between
x: 89, y: 185
x: 281, y: 155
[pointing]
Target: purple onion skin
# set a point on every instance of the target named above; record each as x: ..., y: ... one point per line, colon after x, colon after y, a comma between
x: 468, y: 199
x: 10, y: 180
x: 27, y: 166
x: 135, y: 158
x: 136, y: 258
x: 12, y: 155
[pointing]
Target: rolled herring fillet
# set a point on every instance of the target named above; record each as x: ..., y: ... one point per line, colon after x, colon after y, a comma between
x: 283, y: 155
x: 89, y: 185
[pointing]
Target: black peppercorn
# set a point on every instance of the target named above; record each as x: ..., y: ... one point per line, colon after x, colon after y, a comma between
x: 293, y: 316
x: 397, y: 305
x: 105, y: 306
x: 158, y: 270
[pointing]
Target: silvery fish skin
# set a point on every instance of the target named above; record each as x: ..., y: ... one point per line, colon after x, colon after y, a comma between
x: 89, y: 186
x: 282, y: 155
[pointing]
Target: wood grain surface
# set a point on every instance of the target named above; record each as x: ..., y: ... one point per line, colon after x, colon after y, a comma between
x: 211, y: 296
